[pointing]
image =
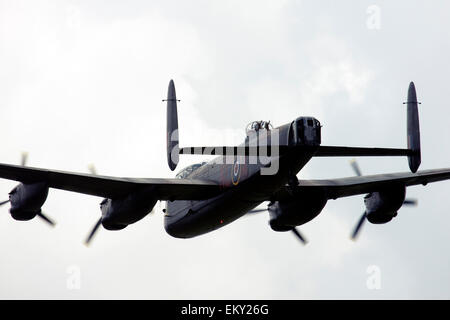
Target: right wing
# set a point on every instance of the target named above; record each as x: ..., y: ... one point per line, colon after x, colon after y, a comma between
x: 345, y: 187
x: 112, y: 187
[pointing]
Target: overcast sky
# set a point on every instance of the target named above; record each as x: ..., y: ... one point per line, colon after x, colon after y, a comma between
x: 82, y: 81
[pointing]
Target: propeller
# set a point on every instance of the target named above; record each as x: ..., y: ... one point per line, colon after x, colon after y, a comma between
x: 410, y: 202
x: 358, y: 226
x: 46, y: 219
x: 294, y: 230
x: 23, y: 163
x: 361, y: 220
x: 299, y: 236
x: 92, y: 169
x: 93, y: 232
x: 355, y: 167
x: 252, y: 211
x: 357, y: 170
x: 23, y: 159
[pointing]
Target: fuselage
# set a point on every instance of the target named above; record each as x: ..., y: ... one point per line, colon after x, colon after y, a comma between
x: 246, y: 180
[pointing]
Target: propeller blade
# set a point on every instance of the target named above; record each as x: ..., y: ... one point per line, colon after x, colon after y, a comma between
x: 94, y: 230
x: 358, y: 226
x: 410, y: 202
x: 299, y: 235
x: 355, y: 167
x: 24, y: 158
x: 4, y: 202
x: 92, y: 169
x: 46, y: 219
x: 256, y: 211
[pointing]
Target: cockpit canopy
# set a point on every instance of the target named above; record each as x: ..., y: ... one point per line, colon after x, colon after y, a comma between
x: 256, y: 126
x: 189, y: 169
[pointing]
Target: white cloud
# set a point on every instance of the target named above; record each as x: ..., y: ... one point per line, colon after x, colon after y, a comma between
x: 83, y: 84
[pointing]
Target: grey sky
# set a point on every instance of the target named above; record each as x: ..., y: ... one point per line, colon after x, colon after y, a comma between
x: 82, y: 82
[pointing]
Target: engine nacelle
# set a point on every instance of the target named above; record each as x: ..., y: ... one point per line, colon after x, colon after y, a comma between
x: 27, y: 200
x: 382, y: 206
x: 120, y: 212
x: 301, y: 208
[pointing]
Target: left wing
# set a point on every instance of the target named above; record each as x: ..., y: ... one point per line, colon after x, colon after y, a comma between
x: 112, y: 187
x: 345, y: 187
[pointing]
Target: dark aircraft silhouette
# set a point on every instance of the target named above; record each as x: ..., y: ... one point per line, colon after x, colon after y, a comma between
x: 209, y: 195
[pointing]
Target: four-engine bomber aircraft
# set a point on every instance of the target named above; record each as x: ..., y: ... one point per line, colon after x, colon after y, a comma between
x: 206, y: 196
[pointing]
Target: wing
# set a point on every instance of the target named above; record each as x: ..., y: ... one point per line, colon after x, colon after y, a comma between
x: 345, y: 187
x: 111, y: 187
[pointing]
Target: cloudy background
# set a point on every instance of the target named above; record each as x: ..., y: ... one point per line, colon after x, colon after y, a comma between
x: 82, y: 81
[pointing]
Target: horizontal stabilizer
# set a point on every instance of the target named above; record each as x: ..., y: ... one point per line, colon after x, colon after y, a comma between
x: 233, y: 150
x: 335, y: 151
x: 320, y: 151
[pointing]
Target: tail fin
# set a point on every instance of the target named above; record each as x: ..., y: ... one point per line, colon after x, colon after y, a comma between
x: 413, y: 131
x: 173, y: 148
